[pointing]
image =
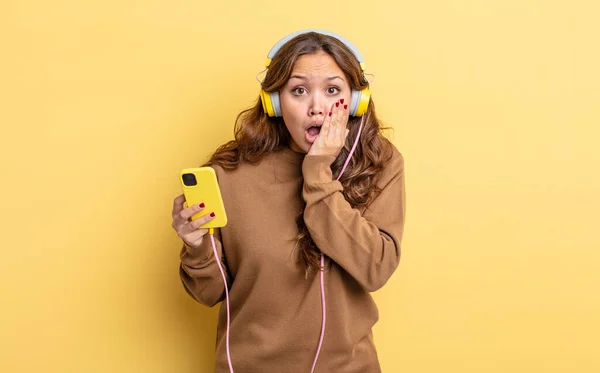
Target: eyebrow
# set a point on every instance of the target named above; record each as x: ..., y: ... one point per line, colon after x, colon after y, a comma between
x: 302, y: 77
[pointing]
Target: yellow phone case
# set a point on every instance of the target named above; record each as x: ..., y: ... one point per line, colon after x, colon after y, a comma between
x: 200, y: 186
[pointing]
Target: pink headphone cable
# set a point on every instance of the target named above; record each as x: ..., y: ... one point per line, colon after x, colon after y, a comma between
x: 324, y: 316
x: 362, y: 119
x: 212, y: 239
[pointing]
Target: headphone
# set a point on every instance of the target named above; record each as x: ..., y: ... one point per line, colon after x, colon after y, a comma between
x: 359, y: 100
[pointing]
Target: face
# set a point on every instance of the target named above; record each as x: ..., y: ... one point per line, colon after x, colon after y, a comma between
x: 316, y: 84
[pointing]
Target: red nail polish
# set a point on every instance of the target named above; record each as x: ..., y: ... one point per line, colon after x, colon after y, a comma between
x: 201, y: 205
x: 212, y: 214
x: 330, y: 113
x: 342, y: 101
x: 345, y: 107
x: 337, y: 104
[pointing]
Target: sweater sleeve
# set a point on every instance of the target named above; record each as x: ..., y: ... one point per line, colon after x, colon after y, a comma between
x: 199, y: 271
x: 367, y: 244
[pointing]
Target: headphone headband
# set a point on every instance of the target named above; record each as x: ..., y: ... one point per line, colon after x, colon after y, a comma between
x: 359, y: 100
x: 287, y: 38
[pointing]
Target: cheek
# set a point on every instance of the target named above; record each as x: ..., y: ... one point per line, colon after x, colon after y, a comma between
x: 347, y: 97
x: 292, y: 124
x: 292, y: 111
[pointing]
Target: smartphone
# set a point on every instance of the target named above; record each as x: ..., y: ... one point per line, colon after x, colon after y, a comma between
x: 200, y: 186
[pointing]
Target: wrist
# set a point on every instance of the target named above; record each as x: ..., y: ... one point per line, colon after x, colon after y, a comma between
x: 317, y: 168
x: 189, y: 246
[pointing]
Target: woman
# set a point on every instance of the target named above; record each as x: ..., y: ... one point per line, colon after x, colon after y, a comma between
x: 293, y: 228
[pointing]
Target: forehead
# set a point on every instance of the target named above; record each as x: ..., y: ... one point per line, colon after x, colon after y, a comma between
x: 316, y: 64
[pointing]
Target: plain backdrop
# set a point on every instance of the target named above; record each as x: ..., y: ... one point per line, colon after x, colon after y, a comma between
x: 495, y: 106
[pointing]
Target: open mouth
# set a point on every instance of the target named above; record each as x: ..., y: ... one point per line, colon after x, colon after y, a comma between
x: 312, y: 133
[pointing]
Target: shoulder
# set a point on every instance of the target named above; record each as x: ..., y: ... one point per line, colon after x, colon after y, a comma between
x: 396, y: 159
x: 242, y: 171
x: 393, y: 168
x: 248, y: 172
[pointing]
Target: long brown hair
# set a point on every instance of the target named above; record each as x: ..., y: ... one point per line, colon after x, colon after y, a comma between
x: 257, y: 134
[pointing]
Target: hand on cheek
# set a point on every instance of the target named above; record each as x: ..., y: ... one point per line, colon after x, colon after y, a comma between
x: 333, y: 133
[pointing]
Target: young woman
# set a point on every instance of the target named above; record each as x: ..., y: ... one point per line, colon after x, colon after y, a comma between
x: 304, y: 246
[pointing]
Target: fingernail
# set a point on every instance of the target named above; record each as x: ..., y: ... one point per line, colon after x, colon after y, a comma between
x: 201, y: 205
x: 345, y: 107
x: 212, y: 214
x: 341, y: 101
x: 330, y: 113
x: 337, y: 104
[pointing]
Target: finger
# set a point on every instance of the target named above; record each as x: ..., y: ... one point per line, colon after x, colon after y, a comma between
x: 337, y: 118
x: 187, y: 213
x: 178, y: 204
x: 337, y: 137
x: 197, y: 223
x: 343, y: 137
x: 194, y: 225
x: 336, y: 114
x: 343, y: 115
x: 326, y: 125
x: 331, y: 134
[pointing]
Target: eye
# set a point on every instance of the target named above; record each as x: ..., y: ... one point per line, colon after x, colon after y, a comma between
x: 333, y: 90
x: 299, y: 91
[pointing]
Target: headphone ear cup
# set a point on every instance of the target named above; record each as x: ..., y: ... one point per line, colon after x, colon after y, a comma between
x: 359, y: 102
x: 363, y: 102
x: 265, y: 99
x: 354, y: 100
x: 270, y: 103
x: 276, y: 104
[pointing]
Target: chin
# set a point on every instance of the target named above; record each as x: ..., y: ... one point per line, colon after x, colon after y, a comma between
x: 303, y: 149
x: 300, y: 148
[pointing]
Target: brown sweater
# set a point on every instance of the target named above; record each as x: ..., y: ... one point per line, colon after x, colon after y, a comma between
x: 275, y: 310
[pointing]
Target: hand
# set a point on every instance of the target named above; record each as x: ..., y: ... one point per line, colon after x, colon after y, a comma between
x: 333, y: 133
x: 186, y: 228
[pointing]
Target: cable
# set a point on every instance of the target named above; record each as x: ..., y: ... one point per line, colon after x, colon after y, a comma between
x: 211, y: 231
x: 324, y: 317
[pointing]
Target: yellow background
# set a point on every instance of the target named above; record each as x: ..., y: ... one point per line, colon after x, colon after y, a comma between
x: 495, y: 105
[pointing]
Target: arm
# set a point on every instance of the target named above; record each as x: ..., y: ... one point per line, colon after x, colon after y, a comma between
x: 366, y: 245
x: 200, y: 274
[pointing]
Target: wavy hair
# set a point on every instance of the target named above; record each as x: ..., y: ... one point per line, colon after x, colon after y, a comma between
x: 257, y: 134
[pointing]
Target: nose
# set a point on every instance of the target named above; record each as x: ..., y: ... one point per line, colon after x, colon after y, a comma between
x: 318, y: 105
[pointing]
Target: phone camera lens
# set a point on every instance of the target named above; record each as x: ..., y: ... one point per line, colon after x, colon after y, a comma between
x: 189, y: 179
